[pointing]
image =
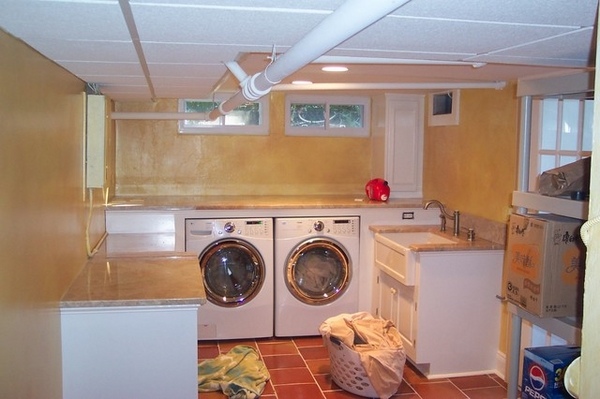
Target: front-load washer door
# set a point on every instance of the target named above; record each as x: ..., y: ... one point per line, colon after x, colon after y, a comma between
x: 233, y: 272
x: 318, y: 271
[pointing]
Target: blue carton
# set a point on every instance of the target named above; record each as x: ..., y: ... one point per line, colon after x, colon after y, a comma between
x: 543, y: 371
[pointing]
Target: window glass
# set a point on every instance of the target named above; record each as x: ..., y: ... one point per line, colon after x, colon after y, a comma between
x: 342, y: 116
x: 549, y: 124
x: 570, y: 125
x: 322, y: 115
x: 567, y: 122
x: 566, y: 159
x: 246, y: 114
x: 247, y: 119
x: 588, y: 113
x: 547, y: 162
x: 307, y: 115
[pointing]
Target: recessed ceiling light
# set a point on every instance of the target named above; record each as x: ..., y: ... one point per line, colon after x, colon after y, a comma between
x: 334, y: 68
x: 302, y: 82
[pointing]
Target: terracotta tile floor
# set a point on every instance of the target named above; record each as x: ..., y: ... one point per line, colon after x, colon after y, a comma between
x: 299, y: 369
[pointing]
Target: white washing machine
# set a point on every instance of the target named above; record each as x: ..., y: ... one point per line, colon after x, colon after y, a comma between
x: 236, y: 260
x: 316, y: 272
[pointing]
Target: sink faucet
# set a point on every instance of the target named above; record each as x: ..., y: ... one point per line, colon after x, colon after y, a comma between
x: 444, y: 214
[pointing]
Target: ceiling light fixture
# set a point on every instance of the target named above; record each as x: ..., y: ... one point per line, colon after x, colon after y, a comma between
x: 334, y: 68
x: 302, y: 82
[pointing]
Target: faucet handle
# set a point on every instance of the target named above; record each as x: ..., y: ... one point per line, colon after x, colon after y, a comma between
x: 471, y: 234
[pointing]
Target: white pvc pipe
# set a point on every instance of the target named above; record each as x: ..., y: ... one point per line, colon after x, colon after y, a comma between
x: 159, y: 116
x: 346, y: 21
x: 391, y: 86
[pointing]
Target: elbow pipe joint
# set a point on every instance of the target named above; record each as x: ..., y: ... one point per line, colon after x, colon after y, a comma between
x: 251, y: 90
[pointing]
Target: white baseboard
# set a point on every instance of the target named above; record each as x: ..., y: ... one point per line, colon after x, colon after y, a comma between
x: 501, y: 365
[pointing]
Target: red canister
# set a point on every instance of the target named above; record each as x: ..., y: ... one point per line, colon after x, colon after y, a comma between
x: 378, y: 189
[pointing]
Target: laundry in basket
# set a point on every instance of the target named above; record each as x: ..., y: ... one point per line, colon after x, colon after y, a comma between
x: 366, y: 354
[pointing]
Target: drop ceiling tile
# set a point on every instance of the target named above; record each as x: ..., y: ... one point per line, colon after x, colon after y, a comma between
x: 190, y: 53
x: 399, y: 34
x: 126, y: 89
x: 63, y: 20
x: 183, y: 92
x: 324, y: 5
x: 191, y: 24
x: 181, y: 81
x: 563, y: 50
x: 115, y: 80
x: 86, y: 50
x: 538, y: 12
x: 103, y: 68
x: 208, y: 72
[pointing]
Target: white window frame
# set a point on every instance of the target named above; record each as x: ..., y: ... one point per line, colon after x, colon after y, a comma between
x: 535, y: 151
x: 328, y: 100
x: 262, y: 129
x: 440, y: 118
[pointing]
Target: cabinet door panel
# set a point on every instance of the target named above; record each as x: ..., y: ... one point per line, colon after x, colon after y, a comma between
x: 398, y: 305
x: 403, y: 158
x: 388, y: 299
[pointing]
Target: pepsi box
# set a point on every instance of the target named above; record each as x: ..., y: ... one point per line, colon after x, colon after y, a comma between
x: 543, y: 371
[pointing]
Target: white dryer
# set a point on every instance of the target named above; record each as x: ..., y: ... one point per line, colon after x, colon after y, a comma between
x: 236, y: 260
x: 316, y: 272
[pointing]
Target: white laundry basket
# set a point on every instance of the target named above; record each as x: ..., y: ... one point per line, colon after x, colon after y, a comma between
x: 347, y: 370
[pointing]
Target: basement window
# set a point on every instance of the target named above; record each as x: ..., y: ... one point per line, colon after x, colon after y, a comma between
x: 328, y: 116
x: 561, y: 133
x: 251, y: 118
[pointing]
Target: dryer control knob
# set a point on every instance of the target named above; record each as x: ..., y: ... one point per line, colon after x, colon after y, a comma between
x: 319, y: 226
x: 229, y: 227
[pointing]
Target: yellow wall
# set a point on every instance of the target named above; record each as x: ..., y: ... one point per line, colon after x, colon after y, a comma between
x: 153, y: 159
x: 472, y: 166
x: 42, y: 214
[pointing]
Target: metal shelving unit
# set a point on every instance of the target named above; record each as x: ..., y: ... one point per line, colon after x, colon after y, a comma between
x: 543, y: 203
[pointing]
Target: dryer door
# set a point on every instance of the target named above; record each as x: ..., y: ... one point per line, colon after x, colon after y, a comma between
x: 318, y: 271
x: 233, y: 272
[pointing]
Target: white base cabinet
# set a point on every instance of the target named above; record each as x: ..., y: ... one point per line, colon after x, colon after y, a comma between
x: 449, y: 319
x: 147, y: 352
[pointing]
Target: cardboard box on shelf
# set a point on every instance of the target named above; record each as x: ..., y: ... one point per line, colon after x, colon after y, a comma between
x: 544, y: 264
x: 543, y: 371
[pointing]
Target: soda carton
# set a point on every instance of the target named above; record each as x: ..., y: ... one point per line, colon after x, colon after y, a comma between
x: 544, y: 265
x: 543, y: 371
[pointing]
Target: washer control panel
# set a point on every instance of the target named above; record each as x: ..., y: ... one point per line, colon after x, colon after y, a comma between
x: 260, y: 227
x: 344, y: 226
x: 337, y: 226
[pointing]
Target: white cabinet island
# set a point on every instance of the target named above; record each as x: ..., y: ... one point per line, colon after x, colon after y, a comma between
x: 129, y: 328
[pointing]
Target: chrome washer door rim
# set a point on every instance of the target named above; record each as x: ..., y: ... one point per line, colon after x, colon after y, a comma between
x: 233, y: 272
x: 318, y: 271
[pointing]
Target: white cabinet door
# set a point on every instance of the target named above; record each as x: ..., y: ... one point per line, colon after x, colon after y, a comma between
x: 397, y: 303
x: 397, y: 155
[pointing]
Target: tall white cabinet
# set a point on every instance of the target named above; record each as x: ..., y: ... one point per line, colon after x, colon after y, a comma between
x: 397, y: 147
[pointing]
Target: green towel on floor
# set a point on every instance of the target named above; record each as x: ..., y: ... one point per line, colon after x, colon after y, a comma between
x: 240, y: 373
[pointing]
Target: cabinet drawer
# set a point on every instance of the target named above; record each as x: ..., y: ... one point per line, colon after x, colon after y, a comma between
x: 398, y: 264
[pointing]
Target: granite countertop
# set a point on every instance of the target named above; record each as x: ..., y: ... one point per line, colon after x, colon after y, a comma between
x: 137, y: 280
x: 460, y: 243
x: 218, y: 202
